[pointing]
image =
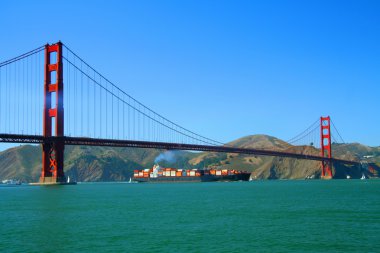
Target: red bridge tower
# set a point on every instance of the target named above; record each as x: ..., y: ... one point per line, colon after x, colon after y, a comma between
x: 326, y: 147
x: 52, y: 151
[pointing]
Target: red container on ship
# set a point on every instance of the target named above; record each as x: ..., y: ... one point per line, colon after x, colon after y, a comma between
x: 158, y: 174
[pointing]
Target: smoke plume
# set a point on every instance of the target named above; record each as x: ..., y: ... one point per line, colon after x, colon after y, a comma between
x: 168, y: 156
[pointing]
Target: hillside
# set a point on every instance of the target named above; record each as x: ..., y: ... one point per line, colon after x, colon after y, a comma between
x: 84, y: 163
x: 263, y: 167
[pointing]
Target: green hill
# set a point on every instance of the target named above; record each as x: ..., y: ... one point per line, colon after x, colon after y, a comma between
x: 263, y: 167
x: 86, y: 163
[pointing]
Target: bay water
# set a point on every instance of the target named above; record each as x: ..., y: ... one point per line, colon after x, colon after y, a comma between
x: 257, y: 216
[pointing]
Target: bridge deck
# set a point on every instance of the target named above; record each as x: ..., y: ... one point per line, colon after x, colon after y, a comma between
x: 37, y: 139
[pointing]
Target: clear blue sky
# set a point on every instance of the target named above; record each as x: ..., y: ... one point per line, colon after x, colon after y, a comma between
x: 224, y: 69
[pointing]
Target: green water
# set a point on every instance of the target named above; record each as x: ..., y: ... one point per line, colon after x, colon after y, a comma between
x: 266, y: 216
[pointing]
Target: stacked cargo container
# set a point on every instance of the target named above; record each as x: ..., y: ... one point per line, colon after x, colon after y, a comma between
x: 171, y: 174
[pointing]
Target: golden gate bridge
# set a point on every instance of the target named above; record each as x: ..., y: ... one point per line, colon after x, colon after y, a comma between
x: 51, y: 96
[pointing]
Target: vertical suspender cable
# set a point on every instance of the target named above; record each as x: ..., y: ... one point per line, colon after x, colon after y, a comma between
x: 29, y: 96
x: 111, y: 108
x: 123, y: 125
x: 40, y: 91
x: 30, y: 81
x: 70, y: 98
x: 35, y: 93
x: 117, y: 117
x: 75, y: 101
x: 10, y: 95
x: 81, y: 100
x: 129, y: 119
x: 88, y: 112
x: 9, y: 82
x: 5, y: 99
x: 100, y: 108
x: 94, y: 107
x: 32, y: 110
x: 17, y: 99
x: 67, y: 95
x: 23, y: 96
x: 106, y: 110
x: 14, y: 112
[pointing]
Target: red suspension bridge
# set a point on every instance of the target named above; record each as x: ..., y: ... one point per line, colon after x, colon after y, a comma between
x: 82, y: 107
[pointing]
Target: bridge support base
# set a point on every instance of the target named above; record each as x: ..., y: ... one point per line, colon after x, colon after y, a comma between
x: 326, y: 177
x: 52, y: 180
x: 327, y: 172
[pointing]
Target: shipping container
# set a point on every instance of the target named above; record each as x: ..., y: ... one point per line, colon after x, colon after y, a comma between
x: 172, y: 173
x: 192, y: 173
x: 218, y: 173
x: 178, y: 173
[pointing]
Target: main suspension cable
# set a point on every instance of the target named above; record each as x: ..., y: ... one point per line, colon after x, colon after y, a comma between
x: 199, y: 137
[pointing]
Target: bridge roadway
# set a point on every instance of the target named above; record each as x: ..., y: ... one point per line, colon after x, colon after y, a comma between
x: 38, y: 139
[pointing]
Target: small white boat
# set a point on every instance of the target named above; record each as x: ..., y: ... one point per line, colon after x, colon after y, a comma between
x: 132, y: 181
x: 363, y: 177
x: 70, y: 182
x: 348, y: 177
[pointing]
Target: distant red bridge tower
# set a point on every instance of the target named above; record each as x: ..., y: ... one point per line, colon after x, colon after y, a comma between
x: 326, y: 147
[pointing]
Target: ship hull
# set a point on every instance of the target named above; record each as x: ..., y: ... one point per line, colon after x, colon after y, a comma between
x: 184, y: 179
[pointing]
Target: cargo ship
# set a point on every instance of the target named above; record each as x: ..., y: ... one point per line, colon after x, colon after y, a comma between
x: 158, y: 174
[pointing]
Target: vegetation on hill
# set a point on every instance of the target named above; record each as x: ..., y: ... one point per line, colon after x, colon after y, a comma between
x: 85, y: 163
